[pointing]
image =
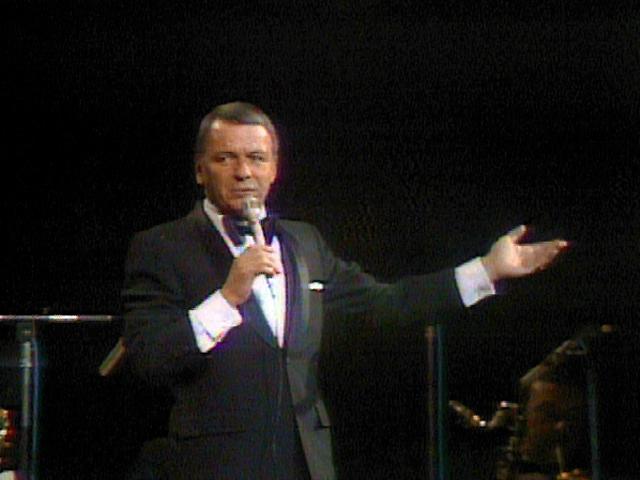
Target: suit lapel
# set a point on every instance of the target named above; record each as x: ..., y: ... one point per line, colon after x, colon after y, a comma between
x: 218, y: 252
x: 297, y: 278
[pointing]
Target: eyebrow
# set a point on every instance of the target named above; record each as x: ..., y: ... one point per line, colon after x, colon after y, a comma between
x: 234, y: 153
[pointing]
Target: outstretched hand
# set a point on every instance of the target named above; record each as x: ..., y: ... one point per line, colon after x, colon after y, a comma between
x: 508, y: 258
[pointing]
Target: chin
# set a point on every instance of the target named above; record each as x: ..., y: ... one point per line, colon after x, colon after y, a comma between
x: 234, y: 208
x: 230, y: 210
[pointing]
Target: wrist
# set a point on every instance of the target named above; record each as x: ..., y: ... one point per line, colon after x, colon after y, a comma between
x: 231, y: 299
x: 489, y: 268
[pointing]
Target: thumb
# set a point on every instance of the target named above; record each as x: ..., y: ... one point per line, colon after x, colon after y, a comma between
x: 518, y: 233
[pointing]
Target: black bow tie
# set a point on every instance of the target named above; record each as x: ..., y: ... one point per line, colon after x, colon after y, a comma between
x: 237, y: 228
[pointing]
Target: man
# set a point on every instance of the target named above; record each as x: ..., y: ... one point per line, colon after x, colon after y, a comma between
x: 233, y: 326
x: 556, y: 436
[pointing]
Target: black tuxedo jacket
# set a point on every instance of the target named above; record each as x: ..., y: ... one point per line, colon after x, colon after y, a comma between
x: 229, y: 400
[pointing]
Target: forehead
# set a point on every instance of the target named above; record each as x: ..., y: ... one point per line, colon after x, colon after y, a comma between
x: 231, y: 136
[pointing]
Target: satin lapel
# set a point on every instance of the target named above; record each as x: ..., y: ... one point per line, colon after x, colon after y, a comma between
x: 219, y: 253
x: 222, y: 259
x: 297, y: 279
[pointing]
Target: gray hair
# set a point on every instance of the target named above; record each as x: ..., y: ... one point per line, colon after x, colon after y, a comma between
x: 237, y: 112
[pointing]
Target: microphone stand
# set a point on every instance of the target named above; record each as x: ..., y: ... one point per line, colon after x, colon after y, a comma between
x: 437, y: 406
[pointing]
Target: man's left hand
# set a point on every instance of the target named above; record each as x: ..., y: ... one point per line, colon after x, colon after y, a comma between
x: 508, y: 258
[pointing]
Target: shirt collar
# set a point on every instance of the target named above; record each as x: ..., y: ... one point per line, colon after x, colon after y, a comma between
x: 216, y: 218
x: 212, y: 211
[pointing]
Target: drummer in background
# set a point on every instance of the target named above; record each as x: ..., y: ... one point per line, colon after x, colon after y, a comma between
x: 557, y: 430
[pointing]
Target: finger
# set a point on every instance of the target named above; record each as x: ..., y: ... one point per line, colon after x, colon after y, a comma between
x: 265, y: 270
x: 257, y: 252
x: 270, y: 269
x: 279, y: 267
x: 517, y: 233
x: 270, y: 257
x: 554, y: 246
x: 261, y: 248
x: 268, y: 266
x: 274, y: 260
x: 541, y: 255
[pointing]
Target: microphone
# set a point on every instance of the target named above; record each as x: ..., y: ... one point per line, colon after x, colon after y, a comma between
x: 251, y: 209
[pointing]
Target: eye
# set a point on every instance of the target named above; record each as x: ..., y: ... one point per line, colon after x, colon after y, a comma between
x: 258, y: 158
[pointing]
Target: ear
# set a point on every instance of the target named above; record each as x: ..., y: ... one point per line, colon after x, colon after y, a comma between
x: 198, y: 171
x: 274, y: 170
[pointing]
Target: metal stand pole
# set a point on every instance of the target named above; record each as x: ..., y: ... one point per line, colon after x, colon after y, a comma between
x: 25, y: 335
x: 436, y: 404
x: 592, y: 406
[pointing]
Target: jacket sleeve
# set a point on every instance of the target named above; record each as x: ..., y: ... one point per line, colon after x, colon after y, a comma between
x: 430, y: 298
x: 158, y: 336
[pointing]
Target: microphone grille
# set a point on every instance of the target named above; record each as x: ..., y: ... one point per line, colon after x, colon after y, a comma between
x: 251, y: 208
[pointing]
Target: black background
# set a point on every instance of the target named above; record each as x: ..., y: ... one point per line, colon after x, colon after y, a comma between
x: 434, y: 128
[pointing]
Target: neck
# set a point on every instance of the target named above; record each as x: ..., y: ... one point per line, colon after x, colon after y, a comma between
x: 213, y: 208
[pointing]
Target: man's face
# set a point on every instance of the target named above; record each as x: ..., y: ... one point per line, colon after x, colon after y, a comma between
x: 238, y: 162
x: 555, y: 417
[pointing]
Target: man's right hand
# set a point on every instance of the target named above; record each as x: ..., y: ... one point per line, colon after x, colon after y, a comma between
x: 256, y: 260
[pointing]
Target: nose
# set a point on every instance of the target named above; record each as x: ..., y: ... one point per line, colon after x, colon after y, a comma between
x: 242, y: 169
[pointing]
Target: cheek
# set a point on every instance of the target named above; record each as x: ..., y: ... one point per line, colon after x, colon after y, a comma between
x: 273, y: 173
x: 213, y: 176
x: 212, y: 182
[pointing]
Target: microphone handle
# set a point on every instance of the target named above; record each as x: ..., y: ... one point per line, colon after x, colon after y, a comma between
x: 258, y: 234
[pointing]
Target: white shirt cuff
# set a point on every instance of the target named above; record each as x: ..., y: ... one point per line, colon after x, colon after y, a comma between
x: 473, y: 282
x: 212, y: 319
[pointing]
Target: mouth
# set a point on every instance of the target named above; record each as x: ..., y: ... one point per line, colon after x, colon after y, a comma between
x: 244, y: 192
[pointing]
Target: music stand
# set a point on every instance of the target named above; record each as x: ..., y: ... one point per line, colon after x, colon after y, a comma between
x: 28, y: 362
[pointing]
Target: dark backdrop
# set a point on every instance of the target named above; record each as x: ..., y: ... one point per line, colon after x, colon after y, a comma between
x: 434, y: 128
